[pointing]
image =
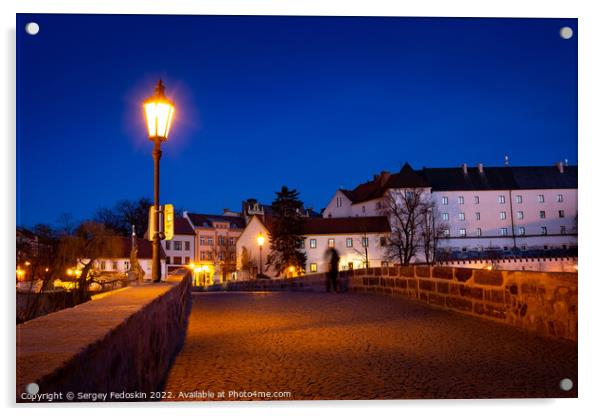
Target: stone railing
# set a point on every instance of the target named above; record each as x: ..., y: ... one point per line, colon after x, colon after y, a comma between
x: 122, y: 342
x: 545, y: 303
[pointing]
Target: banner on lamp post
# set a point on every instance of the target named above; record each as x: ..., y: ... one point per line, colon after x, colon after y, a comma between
x: 168, y: 221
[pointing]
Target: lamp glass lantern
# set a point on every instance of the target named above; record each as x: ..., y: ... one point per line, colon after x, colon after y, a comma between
x: 159, y: 111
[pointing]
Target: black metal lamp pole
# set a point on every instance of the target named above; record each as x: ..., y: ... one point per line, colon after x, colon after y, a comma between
x: 156, y: 267
x: 260, y: 263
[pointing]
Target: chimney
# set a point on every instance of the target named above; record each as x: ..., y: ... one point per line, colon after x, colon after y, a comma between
x: 480, y: 167
x: 506, y: 160
x: 465, y: 168
x: 560, y: 167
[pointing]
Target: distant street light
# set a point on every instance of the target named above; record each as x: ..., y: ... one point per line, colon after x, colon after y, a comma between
x: 159, y: 114
x: 260, y: 241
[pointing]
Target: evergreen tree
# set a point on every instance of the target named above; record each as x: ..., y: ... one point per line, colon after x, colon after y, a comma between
x: 286, y: 236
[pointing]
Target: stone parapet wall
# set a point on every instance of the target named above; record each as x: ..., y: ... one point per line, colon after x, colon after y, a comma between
x: 124, y: 341
x: 313, y: 283
x: 545, y: 303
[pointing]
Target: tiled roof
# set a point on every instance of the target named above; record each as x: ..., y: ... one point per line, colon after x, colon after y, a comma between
x: 350, y: 225
x: 454, y: 179
x: 207, y: 220
x: 145, y: 248
x: 182, y: 226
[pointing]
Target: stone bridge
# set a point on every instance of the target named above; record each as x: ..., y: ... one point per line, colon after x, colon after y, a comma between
x: 396, y: 333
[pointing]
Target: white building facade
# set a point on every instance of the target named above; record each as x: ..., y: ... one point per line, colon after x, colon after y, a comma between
x: 180, y: 250
x: 525, y: 210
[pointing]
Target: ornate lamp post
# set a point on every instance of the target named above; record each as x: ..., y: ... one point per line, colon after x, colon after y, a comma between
x: 260, y: 241
x: 159, y: 114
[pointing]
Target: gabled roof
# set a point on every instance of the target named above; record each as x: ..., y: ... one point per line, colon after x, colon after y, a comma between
x: 182, y: 226
x: 207, y: 220
x: 145, y: 248
x: 348, y: 225
x: 454, y: 179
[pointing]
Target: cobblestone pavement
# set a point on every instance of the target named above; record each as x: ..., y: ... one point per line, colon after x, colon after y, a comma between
x: 359, y: 346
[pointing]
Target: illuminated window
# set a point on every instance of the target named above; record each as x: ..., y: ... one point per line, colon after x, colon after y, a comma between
x: 313, y: 267
x: 313, y: 243
x: 331, y: 242
x: 349, y: 242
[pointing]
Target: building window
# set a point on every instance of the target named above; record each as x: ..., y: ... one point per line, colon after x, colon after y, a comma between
x: 462, y: 232
x: 177, y: 245
x: 476, y: 200
x: 221, y: 255
x: 477, y: 216
x: 168, y: 245
x: 378, y: 205
x: 542, y: 214
x: 115, y: 265
x: 503, y: 231
x: 231, y: 241
x: 302, y: 243
x: 187, y: 245
x: 209, y: 241
x: 232, y: 256
x: 562, y: 229
x: 501, y: 199
x: 221, y: 240
x: 446, y: 232
x: 331, y: 242
x: 543, y: 230
x: 561, y: 213
x: 520, y: 215
x: 186, y: 260
x: 168, y: 260
x: 364, y: 242
x: 383, y: 241
x: 521, y: 230
x: 559, y: 198
x: 460, y: 200
x: 126, y: 264
x: 445, y: 216
x: 349, y: 242
x: 202, y: 255
x: 461, y: 216
x: 313, y: 267
x: 479, y: 232
x: 209, y: 256
x: 312, y: 243
x: 339, y: 202
x: 502, y: 215
x: 519, y: 199
x: 409, y: 195
x: 103, y: 265
x: 177, y: 260
x: 540, y: 198
x: 202, y: 241
x: 363, y: 209
x: 444, y: 200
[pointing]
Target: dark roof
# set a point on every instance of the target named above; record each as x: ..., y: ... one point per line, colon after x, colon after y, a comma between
x: 145, y: 248
x: 501, y: 178
x: 350, y: 225
x: 207, y: 220
x: 454, y: 179
x: 182, y: 226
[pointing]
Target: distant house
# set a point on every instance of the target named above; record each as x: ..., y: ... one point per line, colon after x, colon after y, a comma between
x: 121, y: 263
x: 358, y: 241
x: 179, y: 251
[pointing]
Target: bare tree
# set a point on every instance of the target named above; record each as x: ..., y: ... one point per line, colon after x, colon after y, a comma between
x: 89, y: 242
x: 405, y: 209
x: 431, y: 230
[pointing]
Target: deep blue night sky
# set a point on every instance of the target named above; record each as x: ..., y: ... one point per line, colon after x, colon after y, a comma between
x: 314, y: 103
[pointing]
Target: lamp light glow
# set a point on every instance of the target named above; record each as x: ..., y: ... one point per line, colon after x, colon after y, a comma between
x: 159, y: 111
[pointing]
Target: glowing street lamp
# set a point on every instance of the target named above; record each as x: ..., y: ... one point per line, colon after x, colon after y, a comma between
x: 260, y: 241
x: 159, y: 113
